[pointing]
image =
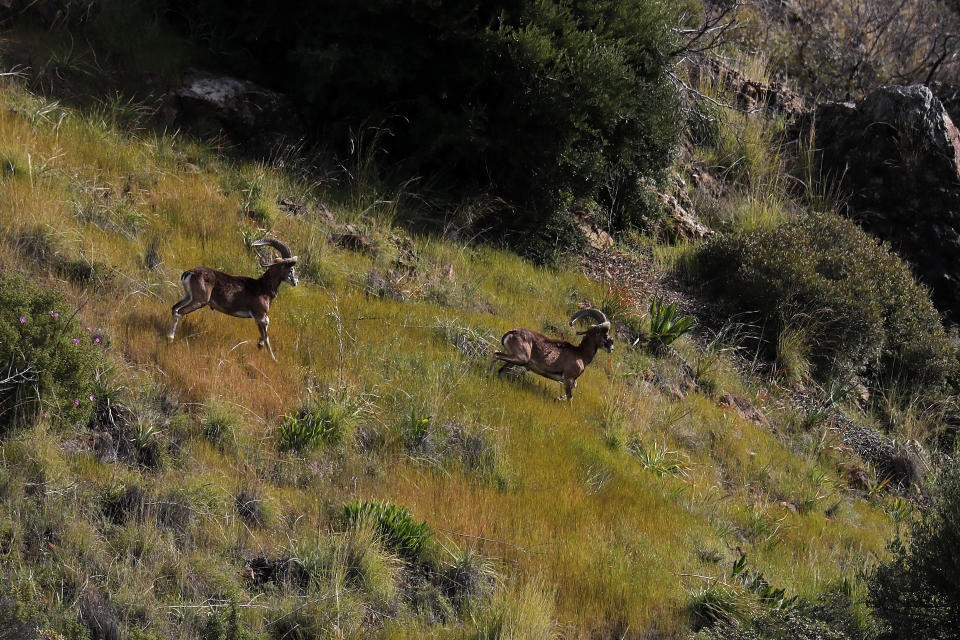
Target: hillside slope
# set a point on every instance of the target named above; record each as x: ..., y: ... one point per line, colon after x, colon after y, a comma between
x: 172, y: 508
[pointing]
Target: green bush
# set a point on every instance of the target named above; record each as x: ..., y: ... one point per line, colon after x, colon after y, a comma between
x: 862, y: 310
x: 915, y: 593
x: 533, y: 102
x: 46, y: 358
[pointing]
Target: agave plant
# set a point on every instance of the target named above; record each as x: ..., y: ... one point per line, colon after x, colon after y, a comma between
x: 666, y: 323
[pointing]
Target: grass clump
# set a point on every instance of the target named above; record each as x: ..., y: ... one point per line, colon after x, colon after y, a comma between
x: 48, y: 360
x: 329, y: 421
x: 218, y: 424
x: 396, y: 527
x: 865, y: 313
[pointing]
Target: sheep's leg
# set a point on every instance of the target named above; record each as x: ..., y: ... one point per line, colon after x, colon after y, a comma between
x: 262, y: 323
x: 186, y: 305
x: 508, y: 359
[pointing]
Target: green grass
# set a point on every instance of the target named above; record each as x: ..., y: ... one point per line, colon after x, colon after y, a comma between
x: 587, y: 533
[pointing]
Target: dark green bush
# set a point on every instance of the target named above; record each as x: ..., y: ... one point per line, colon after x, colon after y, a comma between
x: 861, y: 308
x: 46, y: 358
x: 915, y: 593
x: 537, y: 102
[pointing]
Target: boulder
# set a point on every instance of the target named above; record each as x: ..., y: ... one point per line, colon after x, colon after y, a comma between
x: 256, y: 118
x: 895, y: 157
x: 749, y: 94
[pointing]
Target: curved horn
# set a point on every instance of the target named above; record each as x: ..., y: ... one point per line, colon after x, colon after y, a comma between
x: 596, y: 314
x: 276, y: 244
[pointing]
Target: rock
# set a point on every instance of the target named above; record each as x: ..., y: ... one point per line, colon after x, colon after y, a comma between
x: 354, y: 241
x: 857, y: 479
x: 685, y: 221
x: 679, y: 207
x: 292, y: 208
x: 595, y: 236
x: 258, y: 119
x: 745, y: 408
x: 750, y: 94
x: 896, y: 155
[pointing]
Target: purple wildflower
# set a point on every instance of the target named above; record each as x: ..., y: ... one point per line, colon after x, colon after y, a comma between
x: 22, y: 319
x: 76, y: 403
x: 76, y: 341
x: 97, y: 340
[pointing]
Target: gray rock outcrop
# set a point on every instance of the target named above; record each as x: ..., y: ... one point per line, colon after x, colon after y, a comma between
x: 256, y: 118
x: 896, y: 158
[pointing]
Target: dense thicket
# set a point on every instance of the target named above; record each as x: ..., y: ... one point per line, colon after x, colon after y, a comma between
x: 842, y: 50
x: 856, y: 301
x: 534, y: 104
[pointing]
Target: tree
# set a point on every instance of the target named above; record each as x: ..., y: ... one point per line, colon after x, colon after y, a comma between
x: 534, y: 103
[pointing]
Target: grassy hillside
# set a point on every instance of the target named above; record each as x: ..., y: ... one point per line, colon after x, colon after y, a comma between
x: 185, y: 496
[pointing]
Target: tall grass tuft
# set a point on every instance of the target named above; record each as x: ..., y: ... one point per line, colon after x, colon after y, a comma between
x: 394, y: 524
x: 330, y: 420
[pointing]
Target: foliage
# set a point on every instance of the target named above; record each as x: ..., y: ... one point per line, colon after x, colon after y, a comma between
x: 915, y: 592
x: 863, y: 311
x: 328, y: 421
x: 414, y: 429
x: 396, y: 527
x: 841, y: 50
x: 666, y: 324
x: 730, y: 604
x: 46, y: 358
x: 534, y: 102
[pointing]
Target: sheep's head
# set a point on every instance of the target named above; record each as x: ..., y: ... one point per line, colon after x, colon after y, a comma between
x: 600, y: 331
x: 286, y: 260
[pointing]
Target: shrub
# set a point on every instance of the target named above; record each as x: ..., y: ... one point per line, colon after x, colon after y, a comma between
x: 46, y: 357
x: 535, y: 102
x: 863, y: 310
x: 915, y: 592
